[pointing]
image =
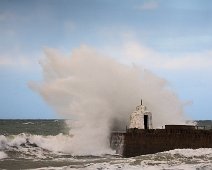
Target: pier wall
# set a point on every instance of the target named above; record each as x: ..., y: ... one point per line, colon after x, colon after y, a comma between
x: 139, y: 141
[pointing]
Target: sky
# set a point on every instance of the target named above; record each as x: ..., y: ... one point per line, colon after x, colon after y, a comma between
x: 171, y: 38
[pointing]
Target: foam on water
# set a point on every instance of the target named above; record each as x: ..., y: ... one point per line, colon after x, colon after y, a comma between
x: 32, y: 148
x: 52, y: 143
x: 107, y: 166
x: 207, y: 152
x: 56, y: 144
x: 3, y: 155
x: 178, y: 159
x: 28, y: 123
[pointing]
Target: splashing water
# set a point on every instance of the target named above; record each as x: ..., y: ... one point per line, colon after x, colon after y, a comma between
x: 99, y: 93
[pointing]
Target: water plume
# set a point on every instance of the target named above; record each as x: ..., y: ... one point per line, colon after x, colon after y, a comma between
x: 98, y: 93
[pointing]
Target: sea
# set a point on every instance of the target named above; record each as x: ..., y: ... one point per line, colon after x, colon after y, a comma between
x: 34, y: 144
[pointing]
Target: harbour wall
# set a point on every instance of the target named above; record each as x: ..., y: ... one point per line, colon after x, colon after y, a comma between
x: 136, y: 142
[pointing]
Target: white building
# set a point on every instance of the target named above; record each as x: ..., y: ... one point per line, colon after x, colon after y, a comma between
x: 141, y: 118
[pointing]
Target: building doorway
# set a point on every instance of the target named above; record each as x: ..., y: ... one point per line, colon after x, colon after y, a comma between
x: 146, y: 122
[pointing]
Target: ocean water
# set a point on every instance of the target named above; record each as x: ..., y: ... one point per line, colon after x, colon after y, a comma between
x: 40, y: 144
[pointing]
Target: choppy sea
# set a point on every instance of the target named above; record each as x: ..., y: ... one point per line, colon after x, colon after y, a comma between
x: 36, y: 144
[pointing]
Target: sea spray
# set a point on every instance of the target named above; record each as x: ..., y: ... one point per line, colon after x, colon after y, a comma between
x: 96, y: 91
x: 3, y: 155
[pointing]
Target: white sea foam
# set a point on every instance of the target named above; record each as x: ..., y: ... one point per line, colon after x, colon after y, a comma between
x: 57, y: 144
x: 28, y: 123
x: 3, y: 155
x: 178, y: 159
x: 207, y: 152
x: 3, y: 141
x: 126, y: 166
x: 60, y: 143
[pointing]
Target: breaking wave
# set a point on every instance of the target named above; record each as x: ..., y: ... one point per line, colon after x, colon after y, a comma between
x: 59, y: 144
x: 99, y: 93
x: 3, y: 155
x: 45, y: 148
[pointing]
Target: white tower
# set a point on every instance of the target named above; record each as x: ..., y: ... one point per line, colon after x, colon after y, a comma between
x: 141, y: 118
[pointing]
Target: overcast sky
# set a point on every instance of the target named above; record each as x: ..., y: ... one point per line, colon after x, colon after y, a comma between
x: 171, y: 38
